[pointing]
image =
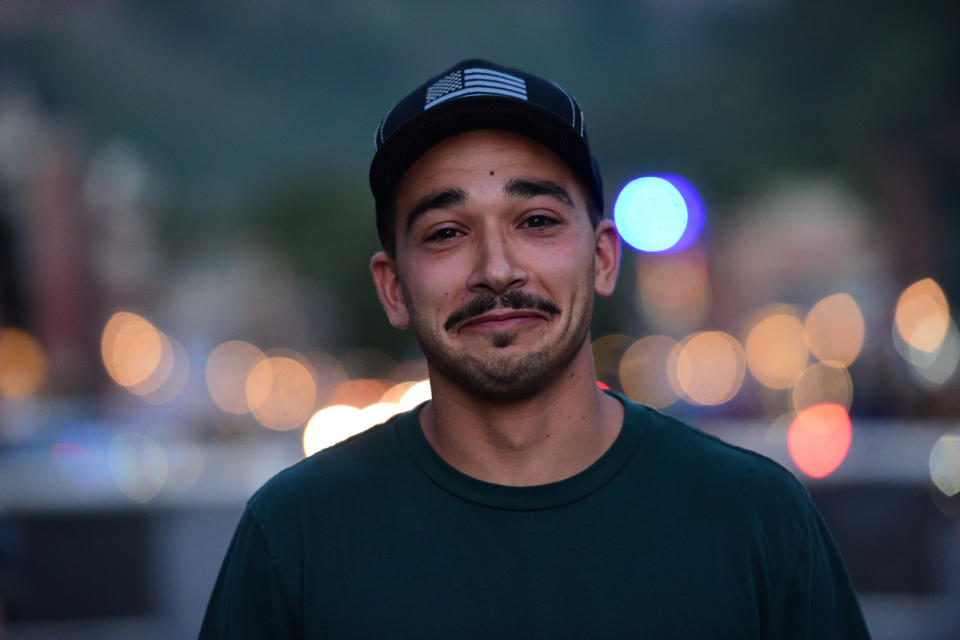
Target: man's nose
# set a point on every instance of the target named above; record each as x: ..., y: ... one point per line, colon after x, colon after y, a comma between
x: 497, y: 269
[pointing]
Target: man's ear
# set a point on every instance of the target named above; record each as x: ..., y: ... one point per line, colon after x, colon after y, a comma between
x: 607, y: 265
x: 389, y: 290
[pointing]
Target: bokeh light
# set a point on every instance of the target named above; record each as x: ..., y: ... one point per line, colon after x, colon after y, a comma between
x: 138, y: 465
x: 707, y: 368
x: 776, y: 347
x: 328, y: 372
x: 185, y: 463
x: 834, y: 329
x: 643, y: 371
x: 131, y: 348
x: 696, y: 215
x: 945, y: 464
x: 228, y: 366
x: 358, y: 393
x: 143, y: 359
x: 820, y: 383
x: 819, y: 439
x: 336, y: 423
x: 160, y: 372
x: 281, y: 392
x: 418, y: 393
x: 330, y: 426
x: 397, y: 391
x: 176, y: 378
x: 378, y: 412
x: 922, y: 315
x: 935, y: 368
x: 650, y: 214
x: 673, y: 291
x: 23, y: 363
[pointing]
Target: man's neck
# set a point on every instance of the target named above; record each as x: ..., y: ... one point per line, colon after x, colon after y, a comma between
x: 545, y: 438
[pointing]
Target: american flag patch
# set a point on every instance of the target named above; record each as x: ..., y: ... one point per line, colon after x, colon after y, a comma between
x: 475, y: 81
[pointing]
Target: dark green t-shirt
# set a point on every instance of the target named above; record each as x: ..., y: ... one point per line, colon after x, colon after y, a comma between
x: 670, y: 534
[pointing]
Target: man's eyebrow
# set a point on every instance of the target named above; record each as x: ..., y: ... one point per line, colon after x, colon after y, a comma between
x: 523, y: 188
x: 443, y: 199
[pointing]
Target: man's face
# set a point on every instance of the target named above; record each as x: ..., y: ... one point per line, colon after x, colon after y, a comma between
x: 496, y: 263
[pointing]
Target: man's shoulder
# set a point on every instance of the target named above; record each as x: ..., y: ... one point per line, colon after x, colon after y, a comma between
x: 695, y: 458
x: 362, y: 460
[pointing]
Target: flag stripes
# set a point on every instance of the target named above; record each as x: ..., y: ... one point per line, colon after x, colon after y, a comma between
x: 476, y: 81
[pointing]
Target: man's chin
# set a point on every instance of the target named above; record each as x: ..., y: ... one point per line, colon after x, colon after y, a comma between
x: 493, y: 341
x: 504, y: 385
x: 503, y: 339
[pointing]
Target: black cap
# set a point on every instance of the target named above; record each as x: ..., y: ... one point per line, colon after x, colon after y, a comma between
x: 477, y: 94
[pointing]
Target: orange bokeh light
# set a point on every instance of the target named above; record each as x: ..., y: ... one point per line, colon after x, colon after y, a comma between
x: 23, y: 363
x: 776, y: 349
x: 707, y: 368
x: 131, y: 347
x: 228, y: 366
x: 835, y: 329
x: 359, y: 393
x: 922, y: 315
x: 395, y: 393
x: 407, y: 395
x: 819, y: 439
x: 643, y: 371
x: 281, y: 392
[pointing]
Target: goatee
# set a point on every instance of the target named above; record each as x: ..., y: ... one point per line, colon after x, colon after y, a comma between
x: 505, y: 378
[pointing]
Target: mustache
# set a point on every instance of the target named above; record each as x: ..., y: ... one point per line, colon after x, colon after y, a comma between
x: 483, y: 303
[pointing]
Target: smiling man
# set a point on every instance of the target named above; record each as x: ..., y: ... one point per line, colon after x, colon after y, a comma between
x: 495, y: 266
x: 521, y: 501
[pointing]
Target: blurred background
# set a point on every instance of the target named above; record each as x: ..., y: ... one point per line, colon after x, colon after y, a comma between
x: 185, y: 229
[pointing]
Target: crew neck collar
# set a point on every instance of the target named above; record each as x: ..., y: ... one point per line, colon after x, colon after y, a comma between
x: 526, y: 498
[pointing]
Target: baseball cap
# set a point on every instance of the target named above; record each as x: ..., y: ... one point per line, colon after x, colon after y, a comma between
x: 478, y: 94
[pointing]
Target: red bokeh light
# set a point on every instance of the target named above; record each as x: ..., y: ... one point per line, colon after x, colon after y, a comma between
x: 819, y: 439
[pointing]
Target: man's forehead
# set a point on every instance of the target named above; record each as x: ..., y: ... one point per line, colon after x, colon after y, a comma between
x: 462, y: 161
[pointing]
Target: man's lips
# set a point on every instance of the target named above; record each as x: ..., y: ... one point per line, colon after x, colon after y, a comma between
x: 502, y: 320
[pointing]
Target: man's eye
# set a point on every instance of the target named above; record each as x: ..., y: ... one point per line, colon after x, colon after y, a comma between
x: 539, y: 221
x: 446, y: 233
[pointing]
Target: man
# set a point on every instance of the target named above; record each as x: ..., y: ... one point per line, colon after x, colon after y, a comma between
x: 521, y: 501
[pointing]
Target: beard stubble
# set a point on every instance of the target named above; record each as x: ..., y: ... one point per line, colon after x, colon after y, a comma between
x: 504, y: 379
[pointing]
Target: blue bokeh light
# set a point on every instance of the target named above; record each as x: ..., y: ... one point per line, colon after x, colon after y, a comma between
x: 658, y: 213
x: 696, y: 218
